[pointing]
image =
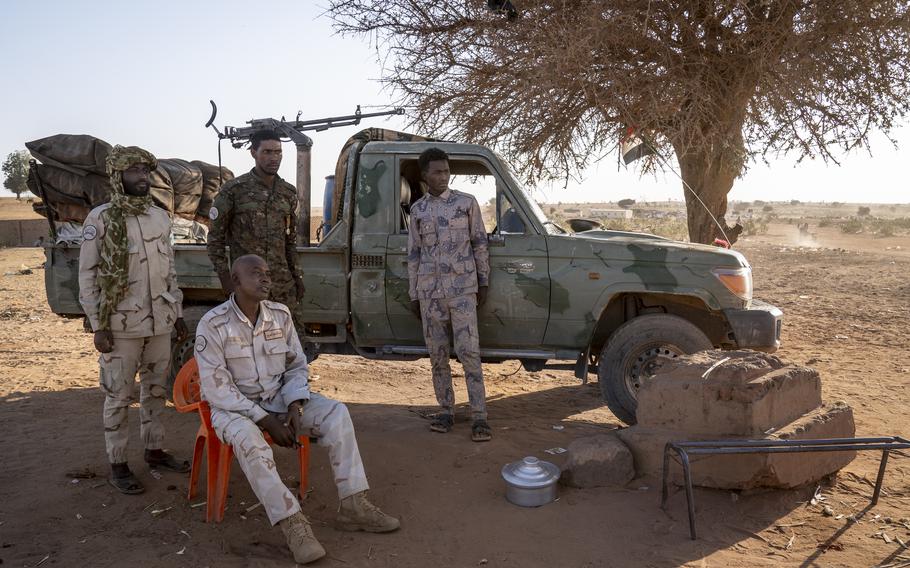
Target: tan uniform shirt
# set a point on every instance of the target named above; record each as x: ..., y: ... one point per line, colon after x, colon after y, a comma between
x: 251, y: 368
x: 447, y: 247
x: 153, y: 302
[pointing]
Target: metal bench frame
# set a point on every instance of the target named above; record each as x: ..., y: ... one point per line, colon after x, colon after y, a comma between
x: 719, y: 447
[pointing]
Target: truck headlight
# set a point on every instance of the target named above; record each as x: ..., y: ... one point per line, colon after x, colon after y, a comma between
x: 737, y: 280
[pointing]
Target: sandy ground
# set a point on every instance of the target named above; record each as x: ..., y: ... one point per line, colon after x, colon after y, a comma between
x: 846, y: 314
x: 13, y: 209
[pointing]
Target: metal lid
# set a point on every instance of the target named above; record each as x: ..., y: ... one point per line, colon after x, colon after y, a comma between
x: 530, y: 473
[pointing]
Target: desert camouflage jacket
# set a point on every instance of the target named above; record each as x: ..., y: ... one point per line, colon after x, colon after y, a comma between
x: 153, y: 302
x: 447, y: 247
x: 250, y: 368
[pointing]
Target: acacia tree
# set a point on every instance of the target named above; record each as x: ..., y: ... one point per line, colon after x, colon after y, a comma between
x: 15, y: 170
x: 713, y: 83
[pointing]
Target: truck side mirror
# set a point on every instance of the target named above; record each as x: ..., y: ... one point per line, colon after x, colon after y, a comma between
x: 496, y: 240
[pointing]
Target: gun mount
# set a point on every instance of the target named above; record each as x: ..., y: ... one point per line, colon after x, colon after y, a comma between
x: 294, y: 131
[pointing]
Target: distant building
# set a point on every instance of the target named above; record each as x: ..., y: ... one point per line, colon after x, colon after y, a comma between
x: 612, y: 213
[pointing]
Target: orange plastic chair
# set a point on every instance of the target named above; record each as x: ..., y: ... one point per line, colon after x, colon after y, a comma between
x: 218, y: 454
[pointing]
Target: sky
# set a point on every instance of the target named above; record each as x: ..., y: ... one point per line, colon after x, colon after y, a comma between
x: 142, y: 73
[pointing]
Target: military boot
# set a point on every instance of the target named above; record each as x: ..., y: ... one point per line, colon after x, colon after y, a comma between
x: 358, y: 514
x: 301, y: 541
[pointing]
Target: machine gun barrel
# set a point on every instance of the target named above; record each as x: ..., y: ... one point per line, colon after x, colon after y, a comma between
x: 241, y: 134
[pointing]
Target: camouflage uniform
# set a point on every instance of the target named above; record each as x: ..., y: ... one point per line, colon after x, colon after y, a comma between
x: 252, y: 218
x: 248, y: 371
x: 140, y: 318
x: 447, y: 261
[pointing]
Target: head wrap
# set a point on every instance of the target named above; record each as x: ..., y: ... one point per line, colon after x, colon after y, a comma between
x: 113, y: 271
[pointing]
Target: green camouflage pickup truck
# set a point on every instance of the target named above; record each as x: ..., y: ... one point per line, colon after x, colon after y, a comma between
x: 616, y: 303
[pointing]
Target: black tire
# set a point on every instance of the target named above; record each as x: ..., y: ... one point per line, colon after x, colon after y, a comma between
x: 180, y: 354
x: 632, y: 352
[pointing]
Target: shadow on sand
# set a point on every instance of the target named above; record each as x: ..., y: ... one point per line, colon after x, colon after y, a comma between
x: 446, y: 489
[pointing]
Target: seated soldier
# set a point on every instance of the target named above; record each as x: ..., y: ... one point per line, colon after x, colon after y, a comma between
x: 254, y: 375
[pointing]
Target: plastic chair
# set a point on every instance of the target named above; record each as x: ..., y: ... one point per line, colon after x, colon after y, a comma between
x: 218, y: 454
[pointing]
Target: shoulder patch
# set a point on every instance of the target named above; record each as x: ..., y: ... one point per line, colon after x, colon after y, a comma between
x: 89, y: 232
x: 201, y: 343
x: 213, y: 213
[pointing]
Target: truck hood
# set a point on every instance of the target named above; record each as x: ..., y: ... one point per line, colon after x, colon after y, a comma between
x: 667, y: 250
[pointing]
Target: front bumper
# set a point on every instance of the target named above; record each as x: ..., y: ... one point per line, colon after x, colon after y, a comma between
x: 757, y: 327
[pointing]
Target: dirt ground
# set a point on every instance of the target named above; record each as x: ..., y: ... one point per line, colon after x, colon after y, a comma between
x: 845, y: 303
x: 18, y: 209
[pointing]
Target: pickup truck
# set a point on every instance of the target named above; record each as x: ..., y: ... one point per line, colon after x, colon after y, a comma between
x: 615, y: 303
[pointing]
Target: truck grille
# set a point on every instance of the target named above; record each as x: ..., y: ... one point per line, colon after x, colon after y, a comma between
x: 367, y: 261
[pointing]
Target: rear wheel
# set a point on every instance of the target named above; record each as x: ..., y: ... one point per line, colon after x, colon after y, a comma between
x: 635, y: 351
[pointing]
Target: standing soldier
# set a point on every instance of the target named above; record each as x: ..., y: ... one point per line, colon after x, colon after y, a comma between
x: 449, y: 275
x: 128, y: 289
x: 256, y: 213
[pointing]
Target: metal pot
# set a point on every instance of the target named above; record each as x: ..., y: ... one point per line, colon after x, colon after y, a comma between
x: 530, y: 482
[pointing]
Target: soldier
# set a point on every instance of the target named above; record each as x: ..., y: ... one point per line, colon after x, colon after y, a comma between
x: 255, y: 376
x: 128, y: 289
x: 256, y: 213
x: 449, y: 275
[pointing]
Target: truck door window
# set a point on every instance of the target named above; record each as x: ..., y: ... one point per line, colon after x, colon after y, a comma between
x: 468, y: 176
x: 510, y: 221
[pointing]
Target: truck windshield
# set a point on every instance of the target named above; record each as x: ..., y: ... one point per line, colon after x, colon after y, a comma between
x: 550, y: 226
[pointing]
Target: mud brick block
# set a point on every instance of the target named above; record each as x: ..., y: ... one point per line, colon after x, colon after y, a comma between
x: 598, y: 461
x: 750, y: 471
x: 723, y: 393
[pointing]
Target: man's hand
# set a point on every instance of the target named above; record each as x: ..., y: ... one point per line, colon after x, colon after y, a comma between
x: 294, y: 413
x: 482, y: 295
x: 104, y: 341
x: 415, y: 307
x: 226, y: 283
x: 301, y: 289
x: 181, y: 329
x: 280, y: 433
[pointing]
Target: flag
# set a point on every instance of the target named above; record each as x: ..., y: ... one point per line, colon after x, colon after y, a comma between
x: 633, y: 147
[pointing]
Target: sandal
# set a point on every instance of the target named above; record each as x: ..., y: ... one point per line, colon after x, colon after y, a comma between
x: 168, y: 463
x: 442, y: 423
x: 481, y: 432
x: 127, y: 485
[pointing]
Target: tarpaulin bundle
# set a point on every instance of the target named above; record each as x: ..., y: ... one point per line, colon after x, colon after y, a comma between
x: 74, y: 179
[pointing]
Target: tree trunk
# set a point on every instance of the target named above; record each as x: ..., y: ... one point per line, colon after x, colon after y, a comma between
x: 710, y: 176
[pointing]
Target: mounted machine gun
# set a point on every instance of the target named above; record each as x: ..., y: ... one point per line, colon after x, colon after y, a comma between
x: 294, y: 131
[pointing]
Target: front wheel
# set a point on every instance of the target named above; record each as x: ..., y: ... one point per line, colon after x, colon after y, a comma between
x: 634, y: 352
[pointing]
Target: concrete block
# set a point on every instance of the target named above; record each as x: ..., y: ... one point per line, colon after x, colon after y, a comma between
x: 722, y: 394
x: 748, y: 471
x: 598, y: 461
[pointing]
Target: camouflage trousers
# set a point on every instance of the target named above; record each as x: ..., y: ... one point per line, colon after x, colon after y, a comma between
x: 442, y: 319
x: 150, y: 356
x: 323, y: 418
x: 284, y: 291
